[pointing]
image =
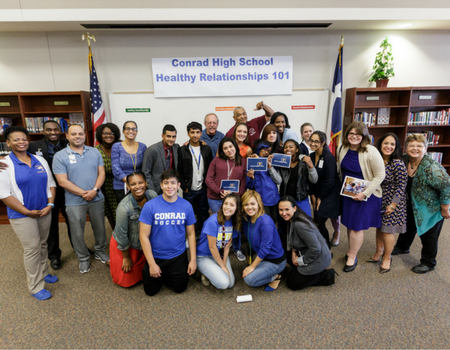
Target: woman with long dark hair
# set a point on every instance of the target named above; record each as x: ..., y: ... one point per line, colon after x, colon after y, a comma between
x: 325, y: 192
x: 393, y: 205
x: 309, y: 253
x: 229, y: 165
x: 126, y: 157
x: 240, y: 135
x: 213, y: 247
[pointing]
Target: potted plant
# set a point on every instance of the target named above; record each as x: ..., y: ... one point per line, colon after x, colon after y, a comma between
x: 384, y: 64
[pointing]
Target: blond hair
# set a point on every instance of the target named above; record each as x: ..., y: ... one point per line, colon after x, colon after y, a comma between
x: 245, y: 198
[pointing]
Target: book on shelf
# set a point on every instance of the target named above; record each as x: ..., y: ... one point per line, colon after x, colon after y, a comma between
x: 4, y: 149
x: 4, y: 123
x: 367, y: 118
x: 383, y: 116
x: 76, y: 118
x: 36, y: 124
x: 436, y: 156
x: 431, y: 138
x: 372, y: 140
x: 429, y: 117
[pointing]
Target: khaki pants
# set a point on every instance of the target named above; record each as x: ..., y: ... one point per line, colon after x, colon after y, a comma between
x: 32, y: 234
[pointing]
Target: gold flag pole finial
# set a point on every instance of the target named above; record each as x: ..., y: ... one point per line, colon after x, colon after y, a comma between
x: 342, y: 40
x: 88, y: 37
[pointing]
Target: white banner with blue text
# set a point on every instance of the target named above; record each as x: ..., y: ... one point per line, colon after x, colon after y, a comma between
x: 222, y: 76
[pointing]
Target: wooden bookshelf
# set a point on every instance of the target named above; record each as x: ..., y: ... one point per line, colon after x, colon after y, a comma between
x: 21, y: 105
x: 402, y: 101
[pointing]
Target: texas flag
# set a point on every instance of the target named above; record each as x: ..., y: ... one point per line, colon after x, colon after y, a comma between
x: 334, y: 126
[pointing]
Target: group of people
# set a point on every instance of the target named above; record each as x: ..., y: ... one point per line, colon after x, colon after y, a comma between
x: 159, y: 201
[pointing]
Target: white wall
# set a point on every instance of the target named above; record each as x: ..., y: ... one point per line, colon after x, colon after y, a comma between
x: 57, y: 61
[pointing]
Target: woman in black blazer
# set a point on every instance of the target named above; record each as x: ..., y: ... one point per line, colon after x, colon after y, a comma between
x: 324, y: 193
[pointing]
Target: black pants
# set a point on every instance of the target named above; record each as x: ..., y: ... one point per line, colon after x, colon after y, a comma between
x: 199, y: 202
x: 272, y: 211
x: 53, y: 236
x: 296, y: 281
x: 320, y: 221
x: 429, y: 239
x: 120, y: 194
x: 174, y: 275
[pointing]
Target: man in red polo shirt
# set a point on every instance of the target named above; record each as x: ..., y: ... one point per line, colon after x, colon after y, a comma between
x: 256, y: 125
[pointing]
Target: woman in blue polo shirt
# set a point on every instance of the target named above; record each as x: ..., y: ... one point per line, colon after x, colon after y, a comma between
x: 215, y: 241
x: 28, y: 190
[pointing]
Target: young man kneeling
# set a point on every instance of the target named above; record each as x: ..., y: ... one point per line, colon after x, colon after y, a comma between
x: 164, y: 222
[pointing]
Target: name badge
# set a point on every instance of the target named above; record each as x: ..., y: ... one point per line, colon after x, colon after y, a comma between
x: 257, y: 164
x: 320, y: 164
x: 72, y: 159
x: 230, y: 185
x: 281, y: 160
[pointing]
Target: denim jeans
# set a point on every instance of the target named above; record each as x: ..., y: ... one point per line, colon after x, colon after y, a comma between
x: 199, y: 202
x: 215, y: 205
x: 264, y: 273
x: 211, y: 269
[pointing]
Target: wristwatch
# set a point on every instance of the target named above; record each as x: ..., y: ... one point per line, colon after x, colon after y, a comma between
x: 96, y: 189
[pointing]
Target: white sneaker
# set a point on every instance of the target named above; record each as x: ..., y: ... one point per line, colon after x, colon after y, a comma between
x: 239, y: 255
x: 205, y: 281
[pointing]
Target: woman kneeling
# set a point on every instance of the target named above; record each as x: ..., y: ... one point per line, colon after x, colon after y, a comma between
x: 310, y: 253
x: 264, y: 240
x: 215, y: 241
x: 127, y: 258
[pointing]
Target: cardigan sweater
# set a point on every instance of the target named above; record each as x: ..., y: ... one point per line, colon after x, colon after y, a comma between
x: 430, y: 188
x: 372, y: 168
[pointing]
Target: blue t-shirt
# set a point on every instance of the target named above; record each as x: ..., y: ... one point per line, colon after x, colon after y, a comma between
x: 212, y: 228
x: 81, y: 170
x: 169, y: 222
x: 32, y: 182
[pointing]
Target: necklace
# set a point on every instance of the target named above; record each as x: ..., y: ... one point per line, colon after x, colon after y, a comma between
x: 133, y: 161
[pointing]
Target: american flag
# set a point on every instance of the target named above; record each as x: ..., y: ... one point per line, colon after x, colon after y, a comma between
x: 334, y: 127
x: 97, y: 110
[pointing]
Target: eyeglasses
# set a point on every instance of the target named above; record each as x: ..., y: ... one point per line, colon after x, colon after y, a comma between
x: 352, y: 134
x: 317, y: 142
x: 415, y: 146
x: 130, y: 129
x: 107, y: 134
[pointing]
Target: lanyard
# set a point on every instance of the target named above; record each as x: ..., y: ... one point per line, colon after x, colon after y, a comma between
x: 199, y: 157
x: 228, y: 169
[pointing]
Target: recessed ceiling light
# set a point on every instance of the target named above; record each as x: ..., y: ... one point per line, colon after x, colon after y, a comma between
x: 405, y: 25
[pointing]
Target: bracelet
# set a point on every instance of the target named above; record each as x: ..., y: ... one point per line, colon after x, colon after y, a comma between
x: 50, y: 204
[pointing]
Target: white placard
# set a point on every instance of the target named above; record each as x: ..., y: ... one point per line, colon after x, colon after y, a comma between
x: 222, y: 76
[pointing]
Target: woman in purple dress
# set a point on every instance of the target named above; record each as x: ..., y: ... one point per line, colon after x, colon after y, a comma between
x: 360, y: 160
x: 393, y: 206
